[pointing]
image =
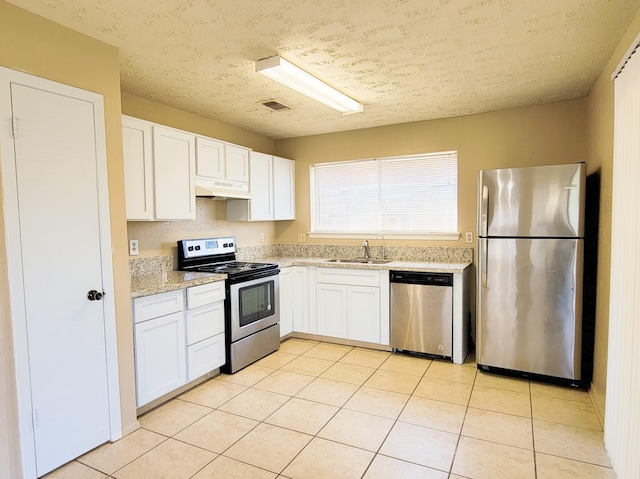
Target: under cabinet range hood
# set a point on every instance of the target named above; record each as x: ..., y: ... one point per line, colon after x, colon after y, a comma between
x: 222, y: 189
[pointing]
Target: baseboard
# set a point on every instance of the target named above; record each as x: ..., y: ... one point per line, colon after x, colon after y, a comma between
x: 598, y: 404
x: 130, y: 428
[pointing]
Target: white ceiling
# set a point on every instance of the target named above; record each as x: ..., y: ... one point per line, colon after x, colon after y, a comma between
x: 406, y: 60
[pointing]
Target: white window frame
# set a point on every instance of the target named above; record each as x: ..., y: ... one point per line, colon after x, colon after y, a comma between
x: 411, y: 235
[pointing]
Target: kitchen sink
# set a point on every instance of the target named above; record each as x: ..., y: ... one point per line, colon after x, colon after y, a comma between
x: 359, y: 261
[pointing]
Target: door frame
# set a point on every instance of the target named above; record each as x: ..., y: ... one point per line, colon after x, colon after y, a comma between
x: 14, y: 259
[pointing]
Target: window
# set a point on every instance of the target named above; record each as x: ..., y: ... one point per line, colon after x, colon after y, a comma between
x: 401, y: 196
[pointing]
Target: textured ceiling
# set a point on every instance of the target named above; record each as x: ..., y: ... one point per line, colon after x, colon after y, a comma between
x: 406, y: 60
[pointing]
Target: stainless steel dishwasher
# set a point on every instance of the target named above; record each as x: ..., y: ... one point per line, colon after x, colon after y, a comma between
x: 422, y: 312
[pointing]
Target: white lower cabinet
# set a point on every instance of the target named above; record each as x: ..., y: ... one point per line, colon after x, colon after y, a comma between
x: 352, y: 304
x: 331, y: 310
x: 286, y: 302
x: 160, y: 355
x: 300, y: 299
x: 363, y: 314
x: 205, y: 329
x: 205, y: 356
x: 177, y: 341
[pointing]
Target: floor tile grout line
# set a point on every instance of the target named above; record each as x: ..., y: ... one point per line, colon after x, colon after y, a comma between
x: 359, y: 387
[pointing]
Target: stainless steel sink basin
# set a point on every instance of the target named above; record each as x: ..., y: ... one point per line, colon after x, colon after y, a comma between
x: 359, y: 261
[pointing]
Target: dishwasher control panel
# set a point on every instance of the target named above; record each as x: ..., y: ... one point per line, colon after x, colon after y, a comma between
x: 417, y: 277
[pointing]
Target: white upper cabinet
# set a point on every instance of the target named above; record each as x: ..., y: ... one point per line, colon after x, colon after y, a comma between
x: 272, y: 183
x: 174, y: 158
x: 138, y: 168
x: 222, y: 169
x: 210, y: 158
x: 284, y: 189
x: 159, y: 167
x: 237, y: 163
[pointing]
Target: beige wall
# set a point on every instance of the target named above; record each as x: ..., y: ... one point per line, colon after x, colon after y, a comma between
x: 211, y: 215
x: 536, y: 135
x: 45, y: 49
x: 600, y: 106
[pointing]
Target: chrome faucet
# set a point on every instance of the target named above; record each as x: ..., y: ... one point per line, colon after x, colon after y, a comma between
x: 365, y: 245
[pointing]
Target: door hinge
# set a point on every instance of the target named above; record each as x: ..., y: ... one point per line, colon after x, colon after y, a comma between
x: 34, y: 417
x: 14, y: 127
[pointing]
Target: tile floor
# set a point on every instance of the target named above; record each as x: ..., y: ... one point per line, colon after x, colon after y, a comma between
x: 317, y: 410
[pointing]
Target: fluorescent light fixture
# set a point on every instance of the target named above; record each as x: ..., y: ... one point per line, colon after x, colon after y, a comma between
x: 291, y: 76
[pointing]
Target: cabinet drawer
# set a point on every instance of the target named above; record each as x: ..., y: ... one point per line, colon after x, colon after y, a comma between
x: 156, y: 305
x: 205, y: 294
x: 205, y: 356
x: 204, y: 322
x: 356, y: 277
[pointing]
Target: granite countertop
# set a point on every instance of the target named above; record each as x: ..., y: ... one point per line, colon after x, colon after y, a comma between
x: 153, y: 275
x: 396, y: 265
x: 154, y: 283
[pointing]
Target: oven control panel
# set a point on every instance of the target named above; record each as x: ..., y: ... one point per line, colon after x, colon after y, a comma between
x: 208, y: 246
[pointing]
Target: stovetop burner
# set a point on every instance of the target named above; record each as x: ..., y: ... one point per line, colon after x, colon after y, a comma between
x: 217, y: 255
x: 232, y: 268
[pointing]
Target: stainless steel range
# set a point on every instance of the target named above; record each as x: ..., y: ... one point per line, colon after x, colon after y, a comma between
x: 252, y: 305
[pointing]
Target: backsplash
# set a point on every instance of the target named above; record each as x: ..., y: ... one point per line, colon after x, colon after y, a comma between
x: 150, y: 264
x: 425, y: 254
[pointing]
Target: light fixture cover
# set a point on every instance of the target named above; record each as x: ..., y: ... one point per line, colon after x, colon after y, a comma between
x: 286, y: 73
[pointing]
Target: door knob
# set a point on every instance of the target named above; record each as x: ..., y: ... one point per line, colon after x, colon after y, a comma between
x: 94, y: 295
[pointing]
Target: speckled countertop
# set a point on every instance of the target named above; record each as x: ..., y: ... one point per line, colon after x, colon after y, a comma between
x: 155, y: 274
x: 431, y: 267
x: 154, y: 283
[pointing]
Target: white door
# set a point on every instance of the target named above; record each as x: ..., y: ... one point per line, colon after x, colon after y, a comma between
x: 58, y: 258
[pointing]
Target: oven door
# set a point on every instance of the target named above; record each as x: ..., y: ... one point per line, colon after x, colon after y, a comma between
x: 255, y: 305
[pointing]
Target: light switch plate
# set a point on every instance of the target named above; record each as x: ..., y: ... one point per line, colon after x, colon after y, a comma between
x: 301, y: 238
x: 133, y: 247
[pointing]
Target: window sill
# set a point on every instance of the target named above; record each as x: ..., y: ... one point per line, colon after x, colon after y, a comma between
x: 373, y: 235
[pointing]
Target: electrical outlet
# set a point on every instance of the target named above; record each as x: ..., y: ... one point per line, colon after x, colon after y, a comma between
x: 301, y: 238
x: 261, y: 236
x: 468, y: 237
x: 133, y: 248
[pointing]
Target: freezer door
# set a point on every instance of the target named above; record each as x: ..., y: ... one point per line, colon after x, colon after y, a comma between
x: 541, y: 201
x: 530, y: 305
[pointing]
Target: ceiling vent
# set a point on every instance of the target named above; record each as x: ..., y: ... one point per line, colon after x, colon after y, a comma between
x: 275, y: 106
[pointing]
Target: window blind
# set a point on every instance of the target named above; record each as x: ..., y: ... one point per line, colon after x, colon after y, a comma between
x: 412, y: 194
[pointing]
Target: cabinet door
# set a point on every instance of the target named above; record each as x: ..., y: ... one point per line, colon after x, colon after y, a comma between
x: 237, y: 163
x: 261, y: 184
x: 174, y: 174
x: 363, y: 313
x: 331, y: 307
x: 160, y: 356
x: 210, y: 158
x: 300, y: 299
x: 205, y: 356
x: 284, y: 196
x: 286, y: 302
x: 138, y: 168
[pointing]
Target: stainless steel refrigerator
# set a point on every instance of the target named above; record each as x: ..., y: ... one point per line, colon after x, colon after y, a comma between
x: 530, y: 260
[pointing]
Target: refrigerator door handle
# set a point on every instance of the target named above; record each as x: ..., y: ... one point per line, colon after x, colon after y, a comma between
x: 484, y: 210
x: 483, y: 262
